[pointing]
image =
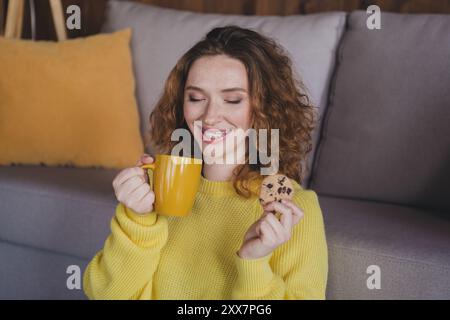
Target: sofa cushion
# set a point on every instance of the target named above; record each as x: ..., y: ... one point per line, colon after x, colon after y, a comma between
x: 410, y: 246
x: 29, y: 273
x: 386, y: 135
x: 161, y: 36
x: 66, y: 210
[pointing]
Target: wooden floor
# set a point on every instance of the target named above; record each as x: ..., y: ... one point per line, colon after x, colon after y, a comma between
x: 93, y: 10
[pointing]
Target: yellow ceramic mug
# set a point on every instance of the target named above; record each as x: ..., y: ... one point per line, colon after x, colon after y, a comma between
x: 175, y: 183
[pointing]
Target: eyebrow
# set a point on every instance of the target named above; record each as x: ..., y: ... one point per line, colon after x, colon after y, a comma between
x: 224, y: 90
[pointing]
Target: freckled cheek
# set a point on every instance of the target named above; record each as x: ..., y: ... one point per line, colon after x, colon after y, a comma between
x: 241, y: 118
x: 191, y: 114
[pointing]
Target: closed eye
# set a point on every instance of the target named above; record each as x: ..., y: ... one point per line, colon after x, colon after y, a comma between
x: 195, y: 100
x: 233, y: 101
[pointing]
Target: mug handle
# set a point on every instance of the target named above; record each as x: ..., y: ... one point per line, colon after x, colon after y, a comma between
x: 152, y: 167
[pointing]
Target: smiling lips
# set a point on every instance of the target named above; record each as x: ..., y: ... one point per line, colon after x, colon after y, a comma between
x: 212, y: 135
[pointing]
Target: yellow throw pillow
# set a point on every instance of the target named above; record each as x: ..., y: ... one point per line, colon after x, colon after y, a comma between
x: 69, y: 102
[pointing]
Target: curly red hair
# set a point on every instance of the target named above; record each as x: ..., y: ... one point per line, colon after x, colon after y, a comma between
x: 278, y: 100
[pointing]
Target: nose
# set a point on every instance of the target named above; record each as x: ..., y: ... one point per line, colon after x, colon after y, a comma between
x: 212, y: 113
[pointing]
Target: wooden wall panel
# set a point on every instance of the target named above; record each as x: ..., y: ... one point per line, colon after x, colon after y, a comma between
x: 286, y: 7
x: 282, y: 7
x: 413, y: 6
x: 311, y: 6
x: 2, y: 15
x: 92, y: 11
x: 215, y: 6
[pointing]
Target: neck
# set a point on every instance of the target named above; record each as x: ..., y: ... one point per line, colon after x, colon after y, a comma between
x: 218, y: 172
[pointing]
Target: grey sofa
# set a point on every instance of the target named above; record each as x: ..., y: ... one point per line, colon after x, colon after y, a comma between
x: 381, y: 160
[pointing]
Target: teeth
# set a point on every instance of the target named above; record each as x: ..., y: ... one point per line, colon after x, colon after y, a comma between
x: 213, y: 134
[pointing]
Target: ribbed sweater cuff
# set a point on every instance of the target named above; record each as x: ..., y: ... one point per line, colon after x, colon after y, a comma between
x: 147, y: 231
x: 147, y: 219
x: 254, y: 275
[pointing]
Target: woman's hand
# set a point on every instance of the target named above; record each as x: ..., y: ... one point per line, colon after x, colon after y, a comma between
x: 132, y: 189
x: 268, y: 233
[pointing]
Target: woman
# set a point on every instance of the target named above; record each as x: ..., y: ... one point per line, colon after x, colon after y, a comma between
x: 229, y: 247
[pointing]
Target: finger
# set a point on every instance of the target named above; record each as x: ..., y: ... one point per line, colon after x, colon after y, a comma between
x: 149, y: 197
x: 286, y: 214
x: 144, y: 159
x: 276, y: 206
x: 129, y: 186
x: 281, y: 233
x: 267, y: 236
x: 252, y: 231
x: 139, y: 193
x: 269, y: 208
x: 146, y: 204
x: 265, y: 213
x: 140, y: 160
x: 126, y: 174
x: 133, y: 200
x: 296, y: 211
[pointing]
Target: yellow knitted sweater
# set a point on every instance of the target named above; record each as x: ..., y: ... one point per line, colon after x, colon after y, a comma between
x: 195, y: 257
